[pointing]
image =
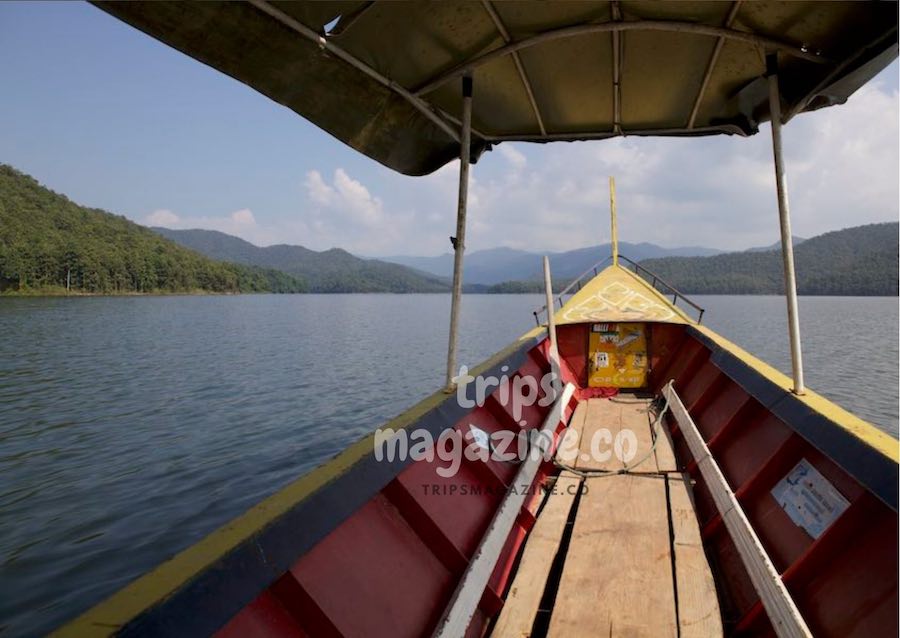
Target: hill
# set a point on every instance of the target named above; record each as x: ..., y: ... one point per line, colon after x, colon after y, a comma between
x: 775, y: 245
x: 333, y: 270
x: 500, y: 265
x: 854, y: 261
x: 45, y: 239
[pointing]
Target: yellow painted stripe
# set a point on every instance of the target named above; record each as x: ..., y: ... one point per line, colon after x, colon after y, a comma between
x: 862, y: 430
x: 155, y: 586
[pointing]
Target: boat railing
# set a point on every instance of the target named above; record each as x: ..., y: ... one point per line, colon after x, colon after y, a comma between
x: 659, y: 284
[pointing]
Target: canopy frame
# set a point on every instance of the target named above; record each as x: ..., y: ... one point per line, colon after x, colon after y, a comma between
x: 421, y: 105
x: 676, y: 26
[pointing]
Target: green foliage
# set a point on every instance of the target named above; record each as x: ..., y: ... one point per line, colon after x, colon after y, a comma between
x: 856, y: 261
x: 45, y: 238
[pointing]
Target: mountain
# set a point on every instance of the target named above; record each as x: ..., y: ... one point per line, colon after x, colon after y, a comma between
x: 500, y: 265
x: 855, y: 261
x: 775, y: 246
x: 45, y: 239
x: 333, y: 270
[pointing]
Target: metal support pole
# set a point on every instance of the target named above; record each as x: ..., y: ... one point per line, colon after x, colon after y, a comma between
x: 614, y: 231
x: 553, y: 353
x: 784, y: 216
x: 459, y: 242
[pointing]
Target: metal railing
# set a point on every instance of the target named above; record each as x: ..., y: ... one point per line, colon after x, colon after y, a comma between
x: 650, y: 277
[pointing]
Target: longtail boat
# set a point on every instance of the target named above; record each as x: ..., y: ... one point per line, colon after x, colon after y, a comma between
x: 666, y: 482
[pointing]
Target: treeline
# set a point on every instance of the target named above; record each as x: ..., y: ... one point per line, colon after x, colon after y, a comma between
x: 48, y: 242
x: 530, y: 286
x: 859, y: 261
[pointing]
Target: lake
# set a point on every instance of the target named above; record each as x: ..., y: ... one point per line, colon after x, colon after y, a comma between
x: 130, y: 427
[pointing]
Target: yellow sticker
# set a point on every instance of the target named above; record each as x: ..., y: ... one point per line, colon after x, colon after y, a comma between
x: 618, y: 355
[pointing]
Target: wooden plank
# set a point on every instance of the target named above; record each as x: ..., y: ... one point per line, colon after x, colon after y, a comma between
x: 634, y: 416
x: 570, y: 438
x: 524, y: 597
x: 665, y: 452
x: 601, y: 413
x: 782, y: 610
x: 464, y: 602
x: 617, y: 578
x: 698, y: 605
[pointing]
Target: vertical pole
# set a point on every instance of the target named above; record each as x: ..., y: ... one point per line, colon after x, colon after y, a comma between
x: 614, y: 232
x: 459, y: 242
x: 784, y: 216
x: 551, y: 320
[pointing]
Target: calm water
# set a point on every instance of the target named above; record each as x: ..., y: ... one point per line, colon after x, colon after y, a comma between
x: 131, y: 427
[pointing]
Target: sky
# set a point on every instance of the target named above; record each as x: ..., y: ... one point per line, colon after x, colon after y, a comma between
x: 113, y: 119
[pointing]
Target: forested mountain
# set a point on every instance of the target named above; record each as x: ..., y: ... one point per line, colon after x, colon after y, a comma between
x: 333, y: 270
x: 45, y: 238
x: 501, y: 265
x: 854, y: 261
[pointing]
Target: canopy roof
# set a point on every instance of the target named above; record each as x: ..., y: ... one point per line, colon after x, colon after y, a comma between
x: 383, y: 77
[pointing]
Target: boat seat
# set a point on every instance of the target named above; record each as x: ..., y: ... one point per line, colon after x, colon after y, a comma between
x: 617, y: 554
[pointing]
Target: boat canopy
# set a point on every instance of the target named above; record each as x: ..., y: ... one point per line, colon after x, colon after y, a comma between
x: 384, y: 77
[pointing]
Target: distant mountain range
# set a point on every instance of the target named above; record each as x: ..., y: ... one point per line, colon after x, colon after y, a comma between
x: 855, y: 261
x: 499, y: 265
x: 337, y: 270
x: 333, y: 270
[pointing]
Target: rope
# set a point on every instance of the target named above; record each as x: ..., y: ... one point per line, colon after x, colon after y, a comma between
x: 628, y: 469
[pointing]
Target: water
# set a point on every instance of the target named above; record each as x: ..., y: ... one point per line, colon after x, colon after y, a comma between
x: 132, y: 427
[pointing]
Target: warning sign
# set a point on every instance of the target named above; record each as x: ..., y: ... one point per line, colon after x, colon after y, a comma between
x: 809, y: 499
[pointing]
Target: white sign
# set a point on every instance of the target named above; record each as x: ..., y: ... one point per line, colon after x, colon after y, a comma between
x: 809, y: 499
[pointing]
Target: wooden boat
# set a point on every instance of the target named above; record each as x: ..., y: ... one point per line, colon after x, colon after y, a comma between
x: 745, y: 503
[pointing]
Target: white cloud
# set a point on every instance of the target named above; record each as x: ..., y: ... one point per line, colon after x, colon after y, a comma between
x: 243, y: 217
x: 162, y: 217
x: 241, y: 223
x: 355, y: 199
x: 717, y: 191
x: 516, y: 159
x: 318, y: 191
x: 345, y: 198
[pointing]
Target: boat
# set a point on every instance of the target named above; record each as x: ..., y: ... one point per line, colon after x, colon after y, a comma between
x: 664, y: 482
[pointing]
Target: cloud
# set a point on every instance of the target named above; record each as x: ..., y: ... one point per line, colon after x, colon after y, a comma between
x: 344, y: 213
x: 162, y: 217
x: 516, y: 159
x: 345, y: 197
x: 318, y: 191
x: 717, y: 191
x: 241, y: 223
x: 243, y: 217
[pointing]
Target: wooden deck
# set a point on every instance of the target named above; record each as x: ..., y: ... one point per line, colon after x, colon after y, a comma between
x: 623, y: 558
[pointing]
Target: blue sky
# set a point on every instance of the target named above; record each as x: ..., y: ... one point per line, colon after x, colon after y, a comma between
x: 116, y: 120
